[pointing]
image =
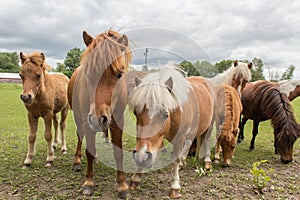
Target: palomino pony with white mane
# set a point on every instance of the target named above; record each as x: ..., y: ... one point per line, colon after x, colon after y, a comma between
x: 44, y: 95
x: 103, y: 62
x: 169, y: 106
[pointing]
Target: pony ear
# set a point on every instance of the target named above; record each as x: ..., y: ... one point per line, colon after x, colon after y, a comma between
x: 88, y: 39
x: 250, y: 65
x: 43, y: 56
x: 22, y: 57
x: 235, y: 63
x: 123, y: 40
x: 169, y: 83
x: 137, y: 81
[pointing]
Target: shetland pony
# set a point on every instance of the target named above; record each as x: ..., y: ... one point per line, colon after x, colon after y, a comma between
x: 168, y: 106
x: 236, y: 76
x: 262, y: 101
x: 227, y: 112
x: 44, y: 95
x: 103, y: 63
x: 289, y: 87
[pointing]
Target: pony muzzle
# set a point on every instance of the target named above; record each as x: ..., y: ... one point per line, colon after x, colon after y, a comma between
x: 26, y: 98
x: 143, y: 159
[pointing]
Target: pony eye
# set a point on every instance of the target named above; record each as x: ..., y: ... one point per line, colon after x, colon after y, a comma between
x: 165, y: 115
x: 119, y: 75
x: 38, y: 76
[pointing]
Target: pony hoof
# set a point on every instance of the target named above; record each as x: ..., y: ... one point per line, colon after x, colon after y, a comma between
x: 239, y: 141
x: 207, y: 166
x: 134, y: 185
x: 77, y: 167
x: 64, y: 152
x: 175, y: 194
x: 49, y: 163
x: 88, y: 190
x: 216, y: 160
x: 251, y: 149
x: 124, y: 194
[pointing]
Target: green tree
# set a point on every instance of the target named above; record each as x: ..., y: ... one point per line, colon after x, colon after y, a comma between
x: 257, y: 70
x: 206, y: 69
x: 223, y: 65
x: 9, y: 62
x: 72, y: 60
x: 289, y: 72
x: 189, y: 68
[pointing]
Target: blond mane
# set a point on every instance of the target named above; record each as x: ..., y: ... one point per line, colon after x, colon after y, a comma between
x: 104, y: 52
x: 153, y: 91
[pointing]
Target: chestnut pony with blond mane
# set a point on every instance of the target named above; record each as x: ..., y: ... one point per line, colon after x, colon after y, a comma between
x: 44, y: 95
x: 169, y: 106
x: 103, y: 62
x: 227, y: 111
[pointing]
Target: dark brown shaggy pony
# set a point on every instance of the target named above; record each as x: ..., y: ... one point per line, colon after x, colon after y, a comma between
x: 43, y: 95
x: 261, y: 101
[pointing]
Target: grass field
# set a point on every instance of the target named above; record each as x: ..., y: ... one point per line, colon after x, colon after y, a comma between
x: 61, y: 182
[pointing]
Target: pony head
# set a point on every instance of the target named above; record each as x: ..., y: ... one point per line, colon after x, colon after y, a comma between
x: 104, y: 61
x: 228, y: 144
x: 157, y: 107
x: 239, y: 75
x: 32, y: 75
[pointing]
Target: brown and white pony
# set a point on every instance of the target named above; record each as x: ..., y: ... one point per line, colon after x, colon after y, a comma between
x: 227, y: 111
x: 169, y: 106
x: 103, y: 62
x: 44, y: 95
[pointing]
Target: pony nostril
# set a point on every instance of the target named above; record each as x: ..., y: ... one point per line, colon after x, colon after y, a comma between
x: 21, y: 96
x: 29, y: 96
x: 90, y: 119
x: 134, y: 151
x: 103, y: 119
x: 149, y: 155
x: 286, y: 161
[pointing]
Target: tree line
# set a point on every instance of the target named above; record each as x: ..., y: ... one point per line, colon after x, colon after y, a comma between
x: 9, y: 62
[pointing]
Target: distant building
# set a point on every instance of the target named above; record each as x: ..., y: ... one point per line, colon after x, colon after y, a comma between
x: 10, y: 78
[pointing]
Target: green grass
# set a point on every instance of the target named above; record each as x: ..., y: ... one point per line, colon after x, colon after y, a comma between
x: 60, y: 182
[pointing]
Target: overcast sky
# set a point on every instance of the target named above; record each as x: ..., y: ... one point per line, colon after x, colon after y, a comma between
x: 211, y: 30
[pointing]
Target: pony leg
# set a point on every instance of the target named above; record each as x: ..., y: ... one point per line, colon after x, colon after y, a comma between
x: 116, y: 138
x: 90, y: 137
x: 185, y: 152
x: 77, y: 157
x: 64, y: 114
x: 175, y: 186
x: 254, y: 134
x: 241, y: 133
x: 136, y: 178
x: 48, y: 137
x: 55, y: 124
x: 217, y: 153
x: 33, y: 124
x: 203, y: 147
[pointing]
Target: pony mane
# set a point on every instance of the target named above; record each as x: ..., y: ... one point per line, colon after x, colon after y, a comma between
x: 37, y: 59
x: 278, y: 108
x: 287, y: 86
x: 153, y: 91
x: 234, y: 72
x: 105, y: 52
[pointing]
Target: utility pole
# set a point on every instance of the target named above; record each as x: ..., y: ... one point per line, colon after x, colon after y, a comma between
x: 146, y: 53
